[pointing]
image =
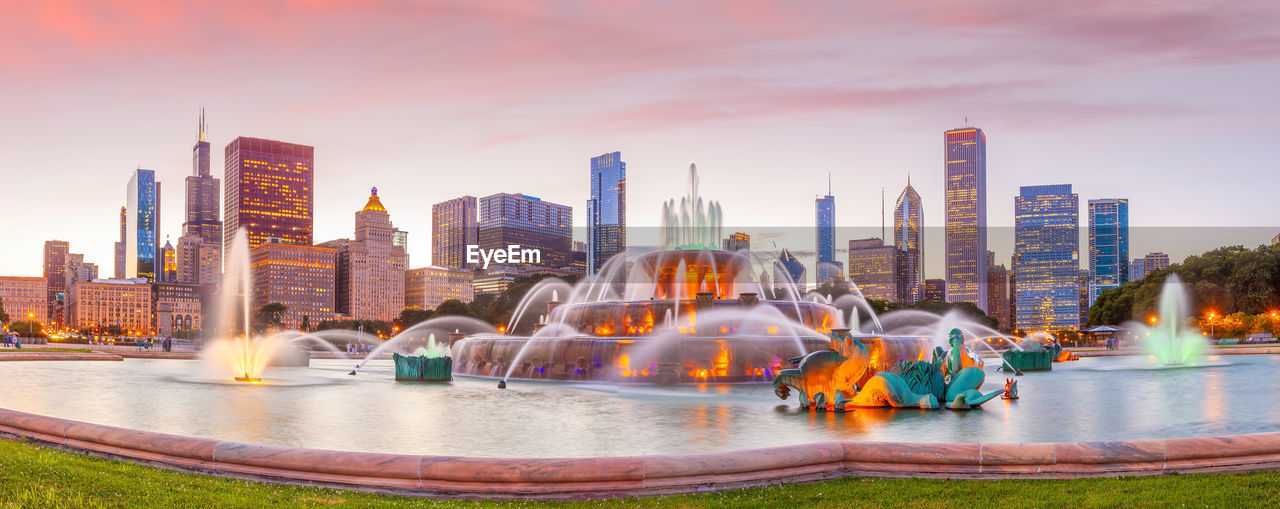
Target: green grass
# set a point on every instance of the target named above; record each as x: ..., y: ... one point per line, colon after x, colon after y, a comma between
x: 32, y: 476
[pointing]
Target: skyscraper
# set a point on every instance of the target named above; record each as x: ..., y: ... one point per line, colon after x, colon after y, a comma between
x: 55, y: 276
x: 370, y: 269
x: 269, y: 191
x: 142, y: 255
x: 606, y: 210
x: 518, y: 219
x: 965, y: 194
x: 1108, y: 245
x: 1047, y: 258
x: 300, y: 277
x: 203, y: 214
x: 788, y: 270
x: 908, y: 239
x: 453, y: 228
x: 873, y: 267
x: 119, y: 261
x: 169, y: 263
x: 825, y: 237
x: 1137, y: 269
x: 1155, y: 261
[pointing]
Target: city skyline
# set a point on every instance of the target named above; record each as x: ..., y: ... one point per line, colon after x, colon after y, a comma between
x: 1130, y: 101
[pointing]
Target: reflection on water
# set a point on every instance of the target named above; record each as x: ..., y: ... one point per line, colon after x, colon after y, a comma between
x: 1093, y: 399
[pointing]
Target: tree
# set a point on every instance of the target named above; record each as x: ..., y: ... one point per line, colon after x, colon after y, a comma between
x: 30, y: 328
x: 270, y: 315
x: 306, y: 323
x: 4, y: 317
x: 452, y: 307
x: 410, y: 317
x: 833, y: 291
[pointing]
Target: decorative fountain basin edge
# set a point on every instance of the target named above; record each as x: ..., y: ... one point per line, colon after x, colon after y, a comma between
x: 576, y: 478
x: 423, y: 368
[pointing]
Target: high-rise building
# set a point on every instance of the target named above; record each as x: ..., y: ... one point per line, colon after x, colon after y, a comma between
x: 453, y: 228
x: 1108, y: 245
x: 1155, y: 261
x: 269, y: 192
x: 76, y: 270
x: 119, y: 261
x: 25, y: 298
x: 1137, y: 269
x: 908, y: 239
x: 176, y: 307
x: 55, y: 276
x: 370, y: 269
x: 935, y: 289
x: 299, y: 277
x: 965, y: 194
x: 606, y: 210
x: 102, y: 303
x: 142, y: 254
x: 1084, y: 296
x: 199, y: 262
x: 526, y: 221
x: 825, y: 237
x: 427, y: 287
x: 998, y: 296
x: 739, y: 241
x: 873, y: 267
x: 203, y: 219
x: 788, y: 271
x: 1047, y: 257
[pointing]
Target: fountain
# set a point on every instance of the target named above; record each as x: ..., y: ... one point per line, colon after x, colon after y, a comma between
x: 429, y: 363
x: 1170, y: 340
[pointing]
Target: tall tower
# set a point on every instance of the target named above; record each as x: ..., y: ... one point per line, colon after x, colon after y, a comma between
x: 55, y: 274
x: 269, y: 191
x: 370, y: 271
x: 453, y: 228
x: 142, y: 250
x: 606, y: 210
x: 965, y: 191
x: 203, y: 209
x: 908, y: 239
x: 119, y: 261
x: 1047, y: 258
x: 825, y: 237
x: 1108, y: 245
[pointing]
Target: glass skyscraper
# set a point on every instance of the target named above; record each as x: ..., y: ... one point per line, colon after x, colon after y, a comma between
x: 965, y: 195
x: 1047, y: 258
x: 606, y: 210
x: 908, y: 239
x: 825, y: 241
x: 269, y: 191
x: 507, y: 219
x: 788, y: 270
x: 142, y: 227
x: 1108, y: 245
x: 453, y: 228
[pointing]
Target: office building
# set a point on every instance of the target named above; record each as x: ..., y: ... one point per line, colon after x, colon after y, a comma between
x: 269, y: 192
x: 76, y: 270
x: 788, y: 271
x: 1137, y: 269
x: 119, y: 259
x: 1108, y: 245
x: 739, y: 241
x: 169, y: 257
x: 199, y: 262
x: 142, y: 250
x: 300, y: 277
x: 825, y: 237
x: 25, y: 298
x: 176, y: 308
x: 606, y: 210
x: 934, y: 289
x: 998, y: 296
x: 102, y: 303
x: 369, y: 280
x: 965, y: 195
x: 528, y: 222
x: 873, y: 268
x: 908, y: 239
x: 427, y: 287
x: 55, y: 276
x: 1047, y: 261
x: 453, y: 228
x: 1155, y: 261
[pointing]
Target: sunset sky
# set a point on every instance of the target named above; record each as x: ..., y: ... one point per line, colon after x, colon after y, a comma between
x: 1173, y: 105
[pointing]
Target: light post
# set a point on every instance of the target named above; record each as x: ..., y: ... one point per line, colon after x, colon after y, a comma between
x: 31, y: 324
x: 1211, y: 315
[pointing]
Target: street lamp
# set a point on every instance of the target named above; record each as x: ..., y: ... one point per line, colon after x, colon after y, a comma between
x: 31, y: 323
x: 1211, y: 315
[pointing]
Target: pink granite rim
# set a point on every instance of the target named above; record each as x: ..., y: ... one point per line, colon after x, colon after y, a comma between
x: 576, y: 478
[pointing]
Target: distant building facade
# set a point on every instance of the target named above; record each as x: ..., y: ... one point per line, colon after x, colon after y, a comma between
x: 908, y: 239
x: 739, y: 241
x: 102, y: 303
x: 370, y: 273
x: 300, y: 277
x: 269, y: 192
x: 120, y: 258
x: 1155, y: 261
x: 1047, y: 262
x: 427, y: 287
x: 1137, y: 269
x: 55, y: 276
x: 1108, y: 245
x: 998, y: 296
x: 935, y: 289
x: 518, y: 219
x: 202, y: 231
x: 25, y: 298
x: 453, y: 228
x: 142, y: 249
x: 176, y: 308
x: 606, y: 210
x: 825, y: 239
x: 965, y: 195
x: 873, y: 268
x: 788, y: 271
x: 199, y: 262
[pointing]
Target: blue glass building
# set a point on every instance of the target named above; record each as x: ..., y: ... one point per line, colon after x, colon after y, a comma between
x: 606, y: 210
x: 1046, y: 259
x: 1108, y: 245
x: 142, y: 226
x: 826, y: 239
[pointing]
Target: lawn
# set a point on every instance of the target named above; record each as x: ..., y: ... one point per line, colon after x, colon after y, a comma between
x: 32, y: 476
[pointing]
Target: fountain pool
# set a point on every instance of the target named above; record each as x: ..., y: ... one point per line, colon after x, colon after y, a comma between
x: 321, y: 407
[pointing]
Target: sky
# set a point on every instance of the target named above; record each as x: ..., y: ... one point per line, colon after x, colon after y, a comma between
x: 1170, y: 104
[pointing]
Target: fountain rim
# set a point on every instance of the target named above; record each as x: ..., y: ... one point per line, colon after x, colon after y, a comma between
x: 594, y: 477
